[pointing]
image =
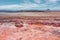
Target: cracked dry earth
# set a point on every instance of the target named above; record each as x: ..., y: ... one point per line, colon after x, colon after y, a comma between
x: 29, y: 32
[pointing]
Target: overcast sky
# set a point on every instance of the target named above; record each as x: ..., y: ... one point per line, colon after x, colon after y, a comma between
x: 29, y: 4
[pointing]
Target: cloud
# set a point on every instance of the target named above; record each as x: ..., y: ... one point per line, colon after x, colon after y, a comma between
x: 52, y: 1
x: 34, y: 1
x: 49, y: 4
x: 37, y: 1
x: 18, y: 7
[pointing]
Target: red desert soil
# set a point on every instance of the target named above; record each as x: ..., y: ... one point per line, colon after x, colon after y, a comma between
x: 29, y: 32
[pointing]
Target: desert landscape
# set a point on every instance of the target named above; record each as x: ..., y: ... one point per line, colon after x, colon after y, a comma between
x: 30, y: 26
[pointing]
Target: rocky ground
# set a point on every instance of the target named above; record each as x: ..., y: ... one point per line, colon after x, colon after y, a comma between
x: 8, y: 31
x: 30, y: 26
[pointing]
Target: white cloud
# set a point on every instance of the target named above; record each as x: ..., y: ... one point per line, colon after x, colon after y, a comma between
x: 29, y: 1
x: 29, y: 6
x: 26, y: 1
x: 55, y: 8
x: 18, y: 7
x: 37, y: 1
x: 52, y: 1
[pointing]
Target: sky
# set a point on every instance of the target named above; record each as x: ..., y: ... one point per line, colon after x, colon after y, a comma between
x: 29, y: 5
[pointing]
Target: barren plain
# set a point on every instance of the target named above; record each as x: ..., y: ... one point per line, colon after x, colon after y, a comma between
x: 30, y: 26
